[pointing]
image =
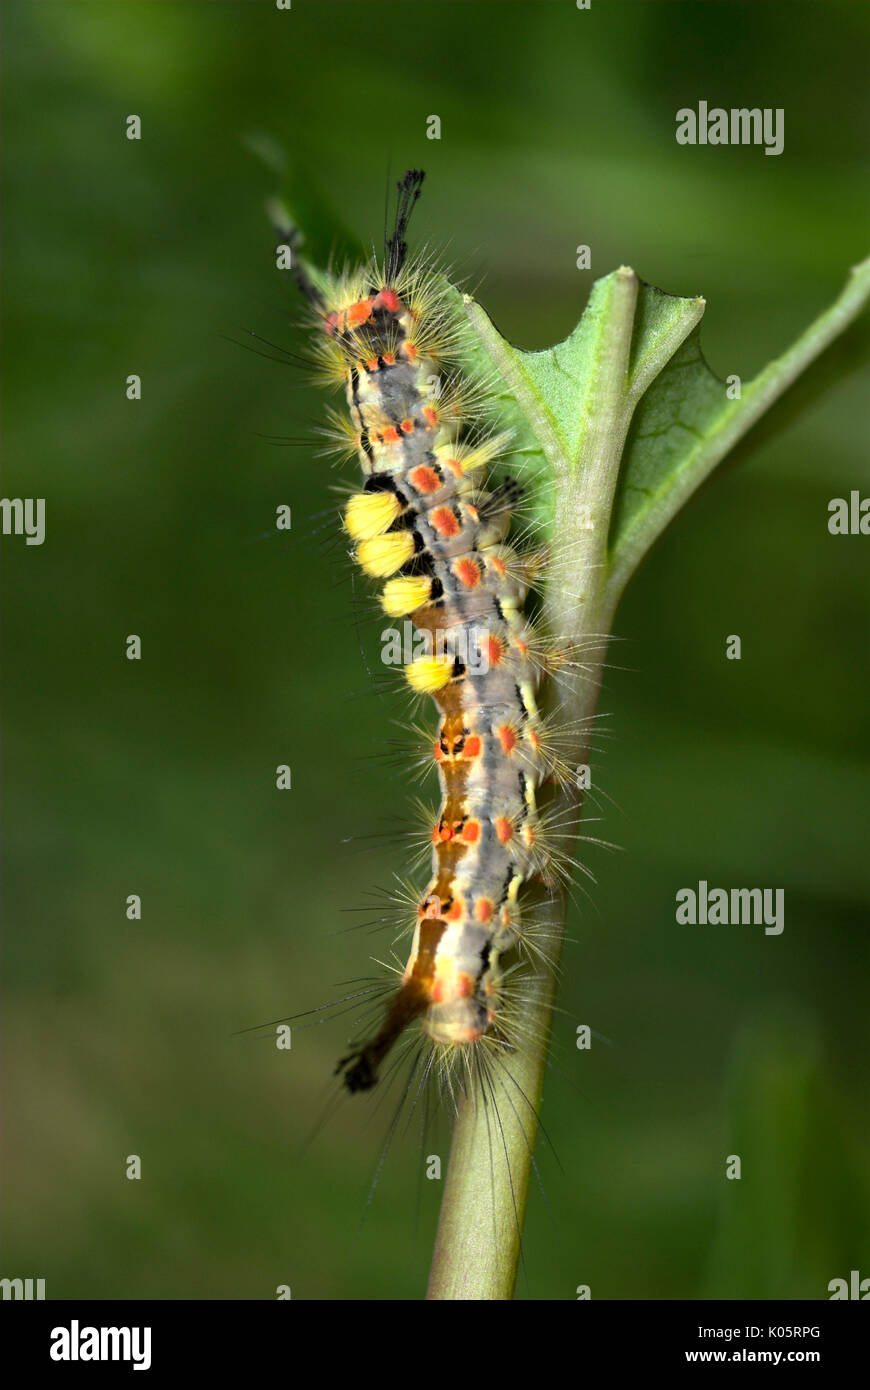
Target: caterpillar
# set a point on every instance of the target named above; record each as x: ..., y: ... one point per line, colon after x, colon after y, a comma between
x: 426, y: 525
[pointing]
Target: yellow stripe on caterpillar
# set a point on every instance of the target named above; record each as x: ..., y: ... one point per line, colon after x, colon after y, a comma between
x: 403, y: 595
x: 370, y: 514
x: 381, y: 556
x: 429, y: 673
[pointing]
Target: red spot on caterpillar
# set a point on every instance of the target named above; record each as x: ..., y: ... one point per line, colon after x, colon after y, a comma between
x: 443, y: 832
x: 472, y: 747
x: 372, y: 364
x: 504, y: 830
x: 438, y: 992
x: 388, y: 299
x: 467, y: 572
x: 407, y: 425
x: 473, y: 513
x: 430, y: 414
x: 425, y: 479
x: 358, y: 313
x: 438, y: 754
x: 471, y: 832
x: 534, y: 739
x: 409, y: 352
x: 498, y: 565
x: 444, y: 521
x: 464, y: 986
x: 330, y: 323
x: 390, y: 435
x: 454, y: 913
x: 483, y: 909
x: 455, y: 467
x: 495, y: 651
x: 508, y: 738
x: 521, y: 646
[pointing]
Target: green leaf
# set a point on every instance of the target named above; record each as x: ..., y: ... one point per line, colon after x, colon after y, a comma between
x: 625, y: 418
x: 686, y: 423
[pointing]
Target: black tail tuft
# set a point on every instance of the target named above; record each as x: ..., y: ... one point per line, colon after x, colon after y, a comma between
x: 358, y: 1071
x: 396, y: 249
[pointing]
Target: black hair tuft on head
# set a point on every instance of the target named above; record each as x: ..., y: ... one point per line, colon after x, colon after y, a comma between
x: 396, y: 249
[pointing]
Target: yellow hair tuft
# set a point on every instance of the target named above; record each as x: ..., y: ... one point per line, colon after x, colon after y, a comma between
x: 370, y: 514
x: 381, y: 556
x: 472, y: 456
x: 405, y: 594
x: 429, y: 674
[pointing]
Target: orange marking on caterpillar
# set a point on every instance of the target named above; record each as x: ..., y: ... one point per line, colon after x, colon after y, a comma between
x: 454, y: 913
x: 471, y: 832
x: 407, y: 426
x: 425, y: 479
x: 359, y: 313
x: 498, y: 565
x: 467, y: 572
x: 445, y: 521
x: 483, y: 909
x: 507, y: 738
x: 387, y: 299
x: 472, y: 747
x: 504, y: 830
x: 464, y: 986
x: 430, y: 414
x: 390, y: 435
x: 495, y: 651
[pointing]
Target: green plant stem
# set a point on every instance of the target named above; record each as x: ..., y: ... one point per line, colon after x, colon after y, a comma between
x: 478, y: 1244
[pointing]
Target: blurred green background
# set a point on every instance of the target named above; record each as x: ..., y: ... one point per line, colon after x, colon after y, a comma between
x: 157, y: 777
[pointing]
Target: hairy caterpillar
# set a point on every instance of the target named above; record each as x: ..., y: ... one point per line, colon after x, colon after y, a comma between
x: 426, y: 525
